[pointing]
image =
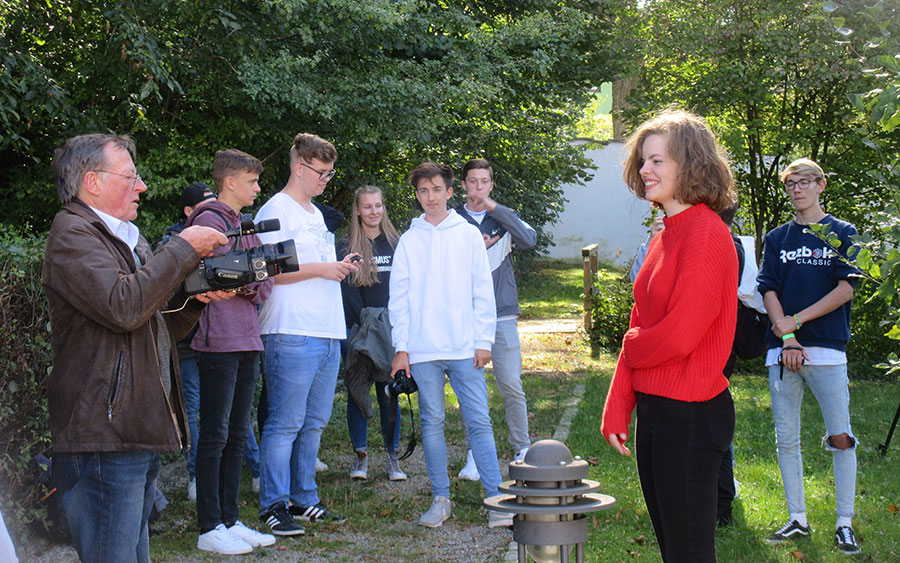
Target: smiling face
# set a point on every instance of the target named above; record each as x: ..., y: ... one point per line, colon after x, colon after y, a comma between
x: 659, y: 173
x: 117, y: 190
x: 433, y: 195
x: 371, y: 210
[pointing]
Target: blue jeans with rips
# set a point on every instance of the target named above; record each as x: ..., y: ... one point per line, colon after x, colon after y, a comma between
x: 829, y: 385
x: 471, y: 391
x: 300, y: 374
x: 107, y: 498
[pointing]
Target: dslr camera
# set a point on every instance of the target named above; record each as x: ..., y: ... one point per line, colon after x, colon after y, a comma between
x: 402, y: 383
x: 239, y: 266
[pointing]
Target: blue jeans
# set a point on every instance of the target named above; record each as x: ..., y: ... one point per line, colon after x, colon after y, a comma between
x: 829, y: 386
x: 107, y: 498
x: 190, y: 388
x: 506, y: 359
x: 251, y: 453
x: 471, y: 391
x: 227, y: 387
x: 359, y: 426
x: 300, y: 374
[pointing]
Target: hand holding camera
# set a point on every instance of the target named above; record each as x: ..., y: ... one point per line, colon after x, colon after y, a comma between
x: 402, y: 383
x: 240, y: 267
x: 203, y: 239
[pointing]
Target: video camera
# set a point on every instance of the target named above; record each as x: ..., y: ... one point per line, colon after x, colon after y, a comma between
x: 239, y: 266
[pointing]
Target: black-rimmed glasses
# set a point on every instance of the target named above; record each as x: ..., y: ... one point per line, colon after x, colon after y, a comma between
x: 801, y: 184
x: 134, y: 179
x: 322, y: 175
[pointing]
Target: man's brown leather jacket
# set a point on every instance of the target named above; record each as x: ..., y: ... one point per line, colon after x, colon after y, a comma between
x: 107, y: 386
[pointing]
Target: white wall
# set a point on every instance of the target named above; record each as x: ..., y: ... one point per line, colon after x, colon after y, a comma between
x: 603, y: 211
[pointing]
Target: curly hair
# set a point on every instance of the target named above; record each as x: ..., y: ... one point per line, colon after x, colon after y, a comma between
x: 704, y: 175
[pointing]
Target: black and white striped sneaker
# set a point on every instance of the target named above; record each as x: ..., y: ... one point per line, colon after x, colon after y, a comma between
x: 846, y: 540
x: 279, y: 520
x: 316, y: 513
x: 789, y: 531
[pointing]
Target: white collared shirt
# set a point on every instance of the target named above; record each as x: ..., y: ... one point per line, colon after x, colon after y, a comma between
x: 124, y: 230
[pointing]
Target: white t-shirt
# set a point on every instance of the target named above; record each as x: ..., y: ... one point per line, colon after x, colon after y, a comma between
x: 311, y: 307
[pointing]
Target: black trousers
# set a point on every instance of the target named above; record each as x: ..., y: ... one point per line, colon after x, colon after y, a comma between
x: 227, y: 389
x: 679, y: 450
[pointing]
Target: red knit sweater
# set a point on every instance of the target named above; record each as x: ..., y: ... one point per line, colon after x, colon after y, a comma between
x: 682, y: 323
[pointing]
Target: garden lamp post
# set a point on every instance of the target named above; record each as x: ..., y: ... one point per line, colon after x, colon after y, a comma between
x: 549, y: 497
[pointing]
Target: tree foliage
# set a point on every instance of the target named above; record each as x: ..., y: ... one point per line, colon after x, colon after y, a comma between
x: 773, y: 83
x: 390, y: 82
x: 875, y: 27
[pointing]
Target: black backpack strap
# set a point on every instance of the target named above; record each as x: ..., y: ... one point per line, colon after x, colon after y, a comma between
x: 205, y: 208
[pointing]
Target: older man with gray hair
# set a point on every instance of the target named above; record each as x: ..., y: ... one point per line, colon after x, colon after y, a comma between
x: 114, y: 393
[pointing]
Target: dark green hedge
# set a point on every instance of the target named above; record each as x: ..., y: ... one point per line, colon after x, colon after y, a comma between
x: 25, y: 363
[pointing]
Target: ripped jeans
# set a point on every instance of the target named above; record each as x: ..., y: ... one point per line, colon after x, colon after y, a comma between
x: 829, y: 386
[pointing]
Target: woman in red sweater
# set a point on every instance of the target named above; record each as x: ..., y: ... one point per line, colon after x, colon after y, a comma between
x: 682, y: 328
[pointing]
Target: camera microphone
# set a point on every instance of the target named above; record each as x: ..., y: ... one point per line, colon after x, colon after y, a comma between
x: 248, y: 227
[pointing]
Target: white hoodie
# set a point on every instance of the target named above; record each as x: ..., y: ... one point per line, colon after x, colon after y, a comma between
x: 441, y: 295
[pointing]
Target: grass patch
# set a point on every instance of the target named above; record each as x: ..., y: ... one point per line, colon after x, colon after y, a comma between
x: 550, y: 289
x: 625, y: 532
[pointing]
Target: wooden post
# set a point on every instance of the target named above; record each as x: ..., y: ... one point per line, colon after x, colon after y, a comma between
x: 589, y: 258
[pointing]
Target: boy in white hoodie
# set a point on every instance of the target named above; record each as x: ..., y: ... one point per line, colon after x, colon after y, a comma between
x: 444, y: 317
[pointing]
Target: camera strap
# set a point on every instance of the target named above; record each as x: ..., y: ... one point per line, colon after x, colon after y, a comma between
x: 781, y: 359
x: 392, y: 417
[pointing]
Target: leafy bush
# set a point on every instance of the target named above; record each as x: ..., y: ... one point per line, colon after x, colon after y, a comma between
x: 611, y: 305
x: 25, y: 363
x: 868, y: 344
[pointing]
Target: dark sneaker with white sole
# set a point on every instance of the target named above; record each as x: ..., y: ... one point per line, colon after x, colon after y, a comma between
x: 316, y: 513
x: 846, y: 540
x: 791, y: 530
x: 280, y: 522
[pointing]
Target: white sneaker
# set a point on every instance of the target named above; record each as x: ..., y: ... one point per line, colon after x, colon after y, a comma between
x: 394, y: 472
x: 497, y: 519
x: 255, y: 484
x: 321, y: 466
x: 220, y: 540
x: 192, y: 490
x: 521, y: 455
x: 469, y: 472
x: 251, y: 536
x: 437, y: 514
x: 360, y: 471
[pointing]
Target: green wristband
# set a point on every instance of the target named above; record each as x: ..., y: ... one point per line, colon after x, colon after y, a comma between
x: 787, y: 336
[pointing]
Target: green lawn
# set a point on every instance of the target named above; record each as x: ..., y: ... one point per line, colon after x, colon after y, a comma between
x: 550, y: 289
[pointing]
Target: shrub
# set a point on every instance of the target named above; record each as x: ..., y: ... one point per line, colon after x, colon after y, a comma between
x: 25, y: 363
x: 611, y: 304
x: 868, y: 323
